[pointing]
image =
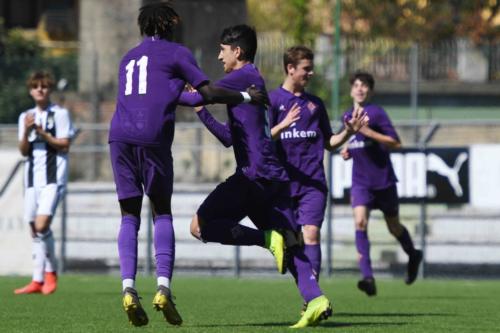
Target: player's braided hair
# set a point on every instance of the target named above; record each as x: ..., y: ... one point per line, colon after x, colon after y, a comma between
x: 158, y: 19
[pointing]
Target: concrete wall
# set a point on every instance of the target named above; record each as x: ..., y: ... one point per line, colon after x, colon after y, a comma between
x: 15, y: 240
x: 109, y: 28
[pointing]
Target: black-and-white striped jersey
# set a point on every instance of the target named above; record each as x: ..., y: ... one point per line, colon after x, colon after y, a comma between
x: 45, y: 165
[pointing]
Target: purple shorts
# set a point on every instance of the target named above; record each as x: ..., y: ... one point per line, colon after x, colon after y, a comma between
x: 386, y: 199
x: 310, y: 207
x: 136, y: 167
x: 267, y: 203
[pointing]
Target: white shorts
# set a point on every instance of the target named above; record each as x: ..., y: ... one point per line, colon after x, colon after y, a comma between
x: 41, y: 201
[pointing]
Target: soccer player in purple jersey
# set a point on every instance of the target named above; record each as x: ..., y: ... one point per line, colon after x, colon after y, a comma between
x: 302, y: 129
x: 259, y: 188
x: 152, y: 76
x: 374, y: 181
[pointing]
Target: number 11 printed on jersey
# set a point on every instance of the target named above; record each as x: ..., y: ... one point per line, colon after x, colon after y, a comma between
x: 142, y: 63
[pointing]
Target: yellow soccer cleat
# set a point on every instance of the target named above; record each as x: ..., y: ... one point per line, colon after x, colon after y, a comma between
x: 132, y: 306
x: 275, y: 242
x: 317, y: 309
x: 163, y: 302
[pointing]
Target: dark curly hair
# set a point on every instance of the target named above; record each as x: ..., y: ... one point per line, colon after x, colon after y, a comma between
x: 158, y: 19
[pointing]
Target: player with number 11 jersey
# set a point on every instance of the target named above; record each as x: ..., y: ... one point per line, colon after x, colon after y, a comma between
x: 152, y: 76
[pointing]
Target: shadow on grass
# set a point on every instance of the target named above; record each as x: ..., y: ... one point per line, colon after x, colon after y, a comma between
x: 389, y: 314
x: 323, y: 324
x: 466, y: 298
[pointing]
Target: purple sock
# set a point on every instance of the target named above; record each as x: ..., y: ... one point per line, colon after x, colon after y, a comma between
x: 313, y: 253
x: 127, y: 246
x: 164, y: 242
x: 229, y: 233
x: 300, y: 267
x: 363, y: 247
x: 406, y: 242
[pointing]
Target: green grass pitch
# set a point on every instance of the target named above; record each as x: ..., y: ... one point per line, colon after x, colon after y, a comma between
x: 93, y: 304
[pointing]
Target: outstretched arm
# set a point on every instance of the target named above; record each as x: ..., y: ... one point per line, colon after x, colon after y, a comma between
x: 213, y: 94
x: 210, y: 94
x: 191, y: 98
x: 219, y: 130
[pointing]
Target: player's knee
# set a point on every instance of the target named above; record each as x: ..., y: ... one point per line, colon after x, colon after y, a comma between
x: 360, y: 223
x: 311, y: 234
x: 131, y: 206
x: 195, y: 227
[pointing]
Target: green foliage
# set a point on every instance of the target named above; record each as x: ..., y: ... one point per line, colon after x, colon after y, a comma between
x: 19, y: 56
x: 292, y: 18
x: 425, y: 21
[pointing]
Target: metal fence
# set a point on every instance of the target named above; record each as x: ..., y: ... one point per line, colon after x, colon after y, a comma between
x: 87, y: 237
x: 453, y: 61
x: 91, y: 218
x: 200, y: 158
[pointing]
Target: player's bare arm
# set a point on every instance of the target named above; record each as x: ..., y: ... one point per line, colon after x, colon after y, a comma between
x: 212, y: 95
x: 292, y: 116
x: 345, y: 153
x: 24, y: 145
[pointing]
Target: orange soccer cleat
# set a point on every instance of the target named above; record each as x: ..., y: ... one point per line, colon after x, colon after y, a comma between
x: 33, y: 287
x: 50, y: 284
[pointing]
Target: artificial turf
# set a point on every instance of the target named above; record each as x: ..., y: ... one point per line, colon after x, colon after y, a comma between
x: 92, y: 303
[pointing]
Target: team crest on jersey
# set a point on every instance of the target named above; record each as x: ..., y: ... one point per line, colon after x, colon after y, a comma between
x: 311, y: 107
x: 282, y: 107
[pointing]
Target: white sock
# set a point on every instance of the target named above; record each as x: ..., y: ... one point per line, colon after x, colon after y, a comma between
x: 128, y: 283
x: 163, y: 281
x: 38, y: 259
x: 50, y: 254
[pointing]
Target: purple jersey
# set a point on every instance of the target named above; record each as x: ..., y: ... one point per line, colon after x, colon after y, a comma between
x: 301, y: 145
x: 249, y: 129
x: 151, y: 77
x: 372, y: 167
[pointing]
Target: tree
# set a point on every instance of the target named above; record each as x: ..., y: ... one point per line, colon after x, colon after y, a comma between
x: 425, y: 21
x: 292, y: 17
x: 19, y: 56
